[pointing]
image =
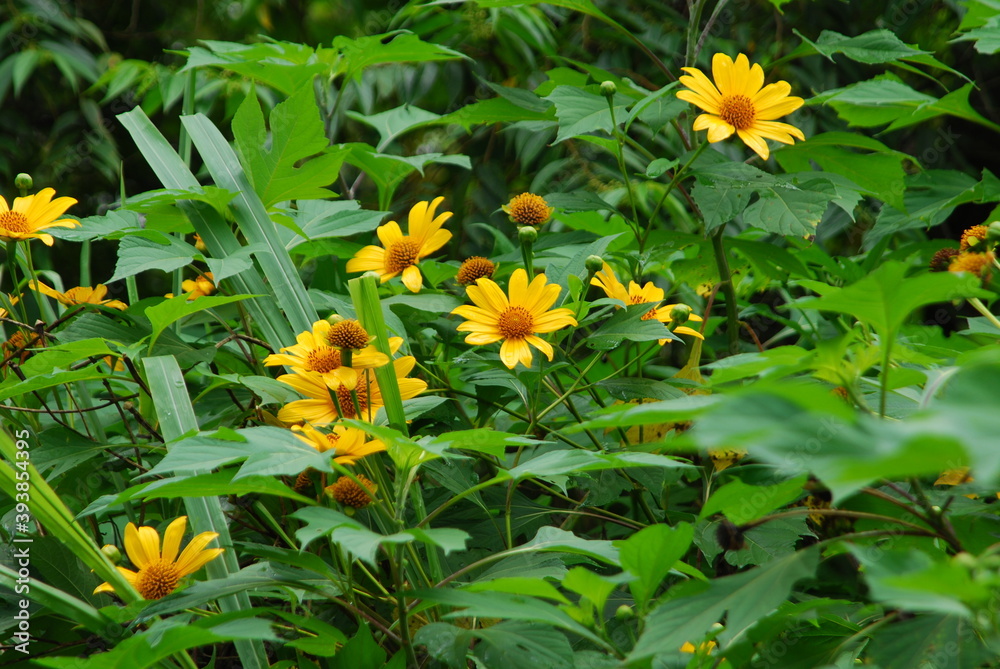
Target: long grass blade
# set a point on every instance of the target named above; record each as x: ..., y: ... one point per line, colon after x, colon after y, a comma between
x: 177, y: 418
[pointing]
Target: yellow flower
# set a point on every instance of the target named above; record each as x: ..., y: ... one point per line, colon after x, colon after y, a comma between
x: 314, y: 353
x: 158, y: 573
x: 403, y: 252
x: 35, y: 212
x: 199, y: 286
x: 736, y: 102
x: 980, y: 264
x: 648, y: 294
x: 517, y: 319
x: 528, y: 209
x: 348, y: 443
x: 323, y: 407
x: 79, y: 295
x: 12, y: 301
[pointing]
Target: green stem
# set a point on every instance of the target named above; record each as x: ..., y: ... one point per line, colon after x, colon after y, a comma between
x: 884, y: 386
x: 981, y: 308
x: 85, y: 277
x: 695, y: 8
x: 678, y: 175
x: 726, y: 284
x: 620, y: 157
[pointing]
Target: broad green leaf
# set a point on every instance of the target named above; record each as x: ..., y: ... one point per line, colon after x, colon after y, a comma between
x: 284, y: 167
x: 986, y: 36
x: 396, y: 122
x: 743, y: 598
x: 564, y: 462
x: 916, y: 581
x: 218, y: 483
x: 929, y: 198
x: 318, y: 219
x: 626, y: 415
x: 886, y: 297
x: 629, y: 323
x: 148, y: 249
x: 742, y: 503
x: 394, y: 47
x: 878, y: 171
x: 517, y: 585
x: 281, y: 65
x: 650, y: 554
x: 494, y: 110
x: 792, y: 206
x: 925, y: 640
x: 554, y: 540
x: 176, y: 308
x: 580, y: 112
x: 590, y: 585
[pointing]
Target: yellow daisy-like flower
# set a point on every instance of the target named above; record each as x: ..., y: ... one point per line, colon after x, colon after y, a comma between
x: 314, y: 352
x: 349, y: 444
x: 647, y: 294
x: 324, y: 407
x: 402, y: 252
x: 159, y: 573
x: 199, y: 286
x: 35, y: 212
x: 739, y: 102
x: 516, y: 319
x: 79, y: 295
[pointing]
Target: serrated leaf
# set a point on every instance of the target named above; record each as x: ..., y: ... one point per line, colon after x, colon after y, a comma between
x: 394, y: 47
x: 148, y: 249
x: 580, y: 112
x: 281, y: 165
x: 629, y: 323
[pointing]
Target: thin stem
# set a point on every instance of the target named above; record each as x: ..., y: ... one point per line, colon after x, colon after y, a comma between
x: 726, y: 285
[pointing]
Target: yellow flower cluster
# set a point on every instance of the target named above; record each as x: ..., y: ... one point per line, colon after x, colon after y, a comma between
x: 332, y: 365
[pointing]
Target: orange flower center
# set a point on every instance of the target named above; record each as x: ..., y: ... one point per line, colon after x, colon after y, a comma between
x: 347, y: 334
x: 14, y: 221
x: 400, y: 255
x: 738, y: 111
x: 323, y: 359
x: 347, y: 402
x: 474, y: 268
x: 157, y: 579
x: 515, y: 323
x: 333, y: 437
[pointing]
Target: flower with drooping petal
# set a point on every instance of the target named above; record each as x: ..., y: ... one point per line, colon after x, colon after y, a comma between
x: 738, y: 102
x: 516, y: 319
x: 32, y: 213
x: 400, y: 253
x: 159, y: 573
x: 326, y: 405
x: 314, y: 352
x: 200, y: 286
x: 647, y: 294
x: 349, y: 444
x: 79, y: 295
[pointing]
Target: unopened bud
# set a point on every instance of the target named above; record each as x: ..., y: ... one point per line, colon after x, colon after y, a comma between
x: 23, y: 181
x: 608, y: 89
x: 594, y: 264
x: 993, y: 232
x: 680, y: 314
x: 624, y: 612
x: 112, y: 553
x: 527, y: 235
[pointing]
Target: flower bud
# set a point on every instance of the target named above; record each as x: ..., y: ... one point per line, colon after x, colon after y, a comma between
x: 680, y: 314
x: 23, y: 181
x: 112, y: 553
x: 527, y: 235
x: 594, y: 264
x: 608, y: 89
x: 624, y: 612
x: 993, y: 232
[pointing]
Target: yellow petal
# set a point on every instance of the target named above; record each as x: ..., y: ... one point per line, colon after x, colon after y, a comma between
x: 172, y: 538
x: 718, y: 129
x: 542, y: 345
x: 722, y: 73
x: 137, y: 550
x: 412, y: 278
x: 487, y: 295
x: 755, y: 142
x: 389, y: 233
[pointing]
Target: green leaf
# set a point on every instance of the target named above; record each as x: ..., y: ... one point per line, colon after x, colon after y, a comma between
x: 171, y: 310
x: 878, y: 171
x: 945, y: 642
x: 554, y: 540
x: 628, y: 323
x: 395, y: 47
x: 929, y: 198
x: 871, y: 48
x: 792, y: 206
x: 650, y: 554
x: 580, y: 112
x: 285, y: 170
x: 319, y: 219
x: 563, y: 462
x: 886, y: 297
x: 148, y: 249
x: 396, y: 122
x: 281, y: 65
x: 986, y: 36
x: 742, y: 503
x: 915, y: 581
x: 217, y: 483
x: 743, y: 598
x: 495, y: 110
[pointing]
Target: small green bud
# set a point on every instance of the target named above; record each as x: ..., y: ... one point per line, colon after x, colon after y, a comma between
x: 608, y: 89
x: 527, y: 235
x: 993, y: 232
x: 594, y: 264
x: 334, y: 318
x: 624, y: 612
x: 112, y: 553
x: 680, y: 314
x: 23, y: 181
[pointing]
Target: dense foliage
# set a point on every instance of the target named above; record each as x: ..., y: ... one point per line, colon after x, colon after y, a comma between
x: 502, y: 333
